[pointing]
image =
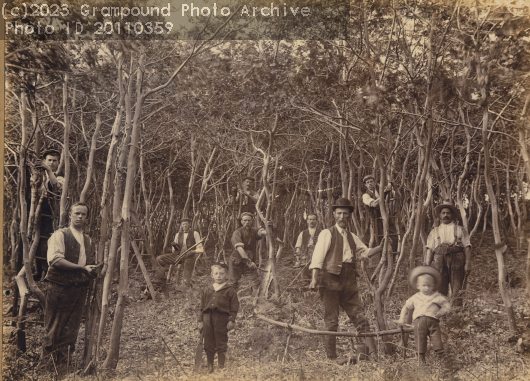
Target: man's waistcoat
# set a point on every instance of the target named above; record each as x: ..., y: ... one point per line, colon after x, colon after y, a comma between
x: 333, y: 259
x: 190, y: 240
x: 305, y: 239
x: 72, y: 250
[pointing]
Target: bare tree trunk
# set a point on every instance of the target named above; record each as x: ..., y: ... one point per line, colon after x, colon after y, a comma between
x: 63, y: 212
x: 113, y: 354
x: 90, y: 167
x: 171, y: 206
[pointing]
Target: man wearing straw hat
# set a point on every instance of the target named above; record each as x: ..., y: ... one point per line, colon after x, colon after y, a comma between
x: 334, y: 256
x: 449, y: 251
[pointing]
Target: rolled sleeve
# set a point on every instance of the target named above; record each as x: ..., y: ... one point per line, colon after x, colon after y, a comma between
x: 430, y: 240
x: 361, y: 250
x: 369, y: 201
x: 464, y: 237
x: 237, y: 240
x: 55, y: 248
x: 299, y: 240
x: 198, y: 248
x: 321, y: 248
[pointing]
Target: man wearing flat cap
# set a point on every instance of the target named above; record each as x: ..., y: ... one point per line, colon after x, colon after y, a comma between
x: 242, y: 260
x: 449, y: 251
x: 334, y: 256
x: 371, y: 200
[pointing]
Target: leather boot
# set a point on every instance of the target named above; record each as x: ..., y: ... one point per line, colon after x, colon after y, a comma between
x: 209, y: 358
x: 371, y: 349
x: 221, y: 357
x: 331, y: 347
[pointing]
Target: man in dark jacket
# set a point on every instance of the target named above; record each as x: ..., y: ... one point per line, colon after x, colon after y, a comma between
x: 71, y: 266
x: 242, y: 260
x: 217, y: 314
x: 334, y: 255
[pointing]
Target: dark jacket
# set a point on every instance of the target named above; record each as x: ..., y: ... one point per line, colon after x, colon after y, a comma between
x: 224, y: 301
x: 305, y: 239
x: 249, y: 240
x: 71, y: 254
x: 333, y: 259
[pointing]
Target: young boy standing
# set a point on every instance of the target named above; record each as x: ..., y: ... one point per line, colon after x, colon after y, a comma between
x: 216, y: 315
x: 428, y: 305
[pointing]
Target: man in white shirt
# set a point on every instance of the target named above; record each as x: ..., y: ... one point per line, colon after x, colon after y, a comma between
x: 307, y: 239
x: 334, y: 256
x: 71, y: 260
x: 449, y: 251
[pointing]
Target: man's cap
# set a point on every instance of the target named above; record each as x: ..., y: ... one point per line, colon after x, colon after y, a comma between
x: 343, y: 203
x: 447, y: 204
x: 220, y: 264
x: 249, y: 178
x: 312, y: 214
x: 367, y: 177
x: 420, y: 270
x: 51, y: 151
x: 246, y: 214
x: 185, y: 220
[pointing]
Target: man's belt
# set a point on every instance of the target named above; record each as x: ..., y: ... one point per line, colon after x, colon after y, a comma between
x: 448, y: 249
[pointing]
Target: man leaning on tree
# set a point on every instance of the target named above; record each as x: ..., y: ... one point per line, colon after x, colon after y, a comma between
x: 334, y: 256
x: 449, y: 251
x: 71, y: 266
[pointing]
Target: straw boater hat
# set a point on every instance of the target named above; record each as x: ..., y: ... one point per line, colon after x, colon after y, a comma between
x: 447, y: 204
x: 420, y: 270
x: 365, y: 178
x: 343, y: 203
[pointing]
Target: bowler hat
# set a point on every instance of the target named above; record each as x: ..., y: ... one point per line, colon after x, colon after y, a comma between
x: 51, y: 151
x: 365, y: 178
x: 343, y: 203
x: 447, y: 204
x: 417, y: 271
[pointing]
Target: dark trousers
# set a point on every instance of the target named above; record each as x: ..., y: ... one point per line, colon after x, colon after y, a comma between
x: 424, y: 327
x: 62, y: 319
x: 452, y: 269
x: 236, y: 271
x: 342, y: 291
x: 215, y: 332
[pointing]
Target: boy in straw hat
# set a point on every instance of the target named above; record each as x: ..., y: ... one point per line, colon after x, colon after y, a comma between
x: 428, y: 306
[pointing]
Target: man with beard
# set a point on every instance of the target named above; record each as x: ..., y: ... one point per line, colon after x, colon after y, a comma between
x: 449, y: 251
x: 71, y: 260
x: 242, y: 260
x: 334, y: 256
x: 305, y: 244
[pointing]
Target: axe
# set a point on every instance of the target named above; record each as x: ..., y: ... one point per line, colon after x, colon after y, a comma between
x: 198, y: 353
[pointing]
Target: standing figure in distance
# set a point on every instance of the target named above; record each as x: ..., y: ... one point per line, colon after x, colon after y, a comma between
x: 334, y: 256
x: 449, y: 251
x: 305, y: 244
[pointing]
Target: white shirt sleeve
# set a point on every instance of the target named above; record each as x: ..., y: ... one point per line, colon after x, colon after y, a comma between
x: 361, y: 250
x: 369, y: 201
x: 321, y: 248
x: 299, y: 240
x: 198, y: 248
x: 55, y: 248
x: 431, y: 240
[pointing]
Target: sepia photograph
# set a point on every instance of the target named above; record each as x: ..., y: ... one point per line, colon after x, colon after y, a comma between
x: 266, y: 190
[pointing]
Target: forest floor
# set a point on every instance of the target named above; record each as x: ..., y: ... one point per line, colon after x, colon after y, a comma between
x: 477, y: 341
